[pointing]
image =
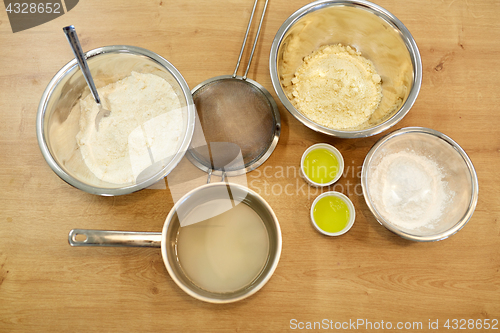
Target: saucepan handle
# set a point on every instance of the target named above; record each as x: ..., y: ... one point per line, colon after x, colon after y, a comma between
x: 86, y: 237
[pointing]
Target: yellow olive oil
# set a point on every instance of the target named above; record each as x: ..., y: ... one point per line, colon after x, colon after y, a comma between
x: 321, y: 166
x: 331, y: 214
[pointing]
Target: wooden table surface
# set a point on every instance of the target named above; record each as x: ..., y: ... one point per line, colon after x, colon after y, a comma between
x: 368, y: 274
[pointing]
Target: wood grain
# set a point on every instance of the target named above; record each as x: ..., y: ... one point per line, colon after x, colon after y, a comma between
x: 369, y: 273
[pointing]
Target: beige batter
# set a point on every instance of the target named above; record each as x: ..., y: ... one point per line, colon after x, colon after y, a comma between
x: 146, y: 121
x: 336, y: 87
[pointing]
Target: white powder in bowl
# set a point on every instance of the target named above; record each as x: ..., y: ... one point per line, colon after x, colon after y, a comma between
x: 146, y: 121
x: 408, y: 190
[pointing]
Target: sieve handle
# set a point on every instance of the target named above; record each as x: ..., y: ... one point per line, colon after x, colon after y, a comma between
x: 255, y: 41
x: 86, y: 237
x: 246, y: 37
x: 209, y: 178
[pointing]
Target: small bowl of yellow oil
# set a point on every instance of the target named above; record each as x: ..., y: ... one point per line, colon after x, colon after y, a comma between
x: 322, y: 165
x: 332, y: 213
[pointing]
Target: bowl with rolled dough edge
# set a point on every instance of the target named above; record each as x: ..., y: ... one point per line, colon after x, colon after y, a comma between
x: 365, y: 27
x: 143, y: 139
x: 420, y: 184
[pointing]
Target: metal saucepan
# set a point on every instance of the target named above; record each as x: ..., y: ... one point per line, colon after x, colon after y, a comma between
x: 167, y: 238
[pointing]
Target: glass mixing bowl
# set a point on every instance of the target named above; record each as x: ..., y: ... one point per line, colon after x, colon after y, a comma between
x: 57, y: 122
x: 455, y: 166
x: 372, y: 30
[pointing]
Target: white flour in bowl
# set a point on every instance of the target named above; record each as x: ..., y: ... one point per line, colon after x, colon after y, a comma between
x: 408, y: 190
x: 146, y: 121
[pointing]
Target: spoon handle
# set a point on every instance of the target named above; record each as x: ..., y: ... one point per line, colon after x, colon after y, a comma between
x: 80, y: 57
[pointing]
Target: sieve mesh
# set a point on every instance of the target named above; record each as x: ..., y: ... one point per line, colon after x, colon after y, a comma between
x: 233, y: 111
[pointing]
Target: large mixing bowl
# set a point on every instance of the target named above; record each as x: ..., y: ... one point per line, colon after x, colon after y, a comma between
x: 457, y: 172
x: 372, y: 30
x: 57, y: 121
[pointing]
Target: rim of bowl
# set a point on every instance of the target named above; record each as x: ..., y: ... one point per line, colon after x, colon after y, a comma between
x: 337, y: 154
x: 279, y: 245
x: 128, y: 188
x: 408, y: 39
x: 350, y: 205
x: 470, y: 167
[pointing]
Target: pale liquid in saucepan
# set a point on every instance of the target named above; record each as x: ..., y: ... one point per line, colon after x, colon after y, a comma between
x: 226, y: 252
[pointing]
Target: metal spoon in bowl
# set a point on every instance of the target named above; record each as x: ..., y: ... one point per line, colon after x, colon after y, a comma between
x: 82, y: 62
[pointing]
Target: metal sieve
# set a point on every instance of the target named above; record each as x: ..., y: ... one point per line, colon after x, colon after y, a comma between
x: 238, y: 119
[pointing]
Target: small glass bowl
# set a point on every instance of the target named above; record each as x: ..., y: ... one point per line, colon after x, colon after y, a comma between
x: 350, y: 206
x: 330, y: 148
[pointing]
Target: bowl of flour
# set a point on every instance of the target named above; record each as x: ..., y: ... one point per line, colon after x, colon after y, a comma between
x: 345, y: 68
x: 149, y: 130
x: 420, y: 184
